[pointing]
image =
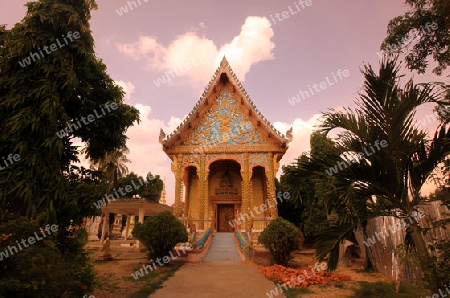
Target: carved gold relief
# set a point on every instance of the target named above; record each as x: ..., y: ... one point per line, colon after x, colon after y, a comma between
x: 259, y: 159
x: 224, y: 123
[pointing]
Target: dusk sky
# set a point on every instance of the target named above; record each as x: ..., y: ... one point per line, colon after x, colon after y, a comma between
x: 275, y: 60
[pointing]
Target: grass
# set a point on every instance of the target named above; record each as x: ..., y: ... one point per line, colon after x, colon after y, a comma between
x: 153, y: 280
x: 387, y: 290
x: 117, y: 259
x: 293, y: 293
x: 370, y: 270
x: 107, y: 282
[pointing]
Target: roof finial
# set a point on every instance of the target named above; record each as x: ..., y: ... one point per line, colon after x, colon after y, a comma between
x: 224, y: 62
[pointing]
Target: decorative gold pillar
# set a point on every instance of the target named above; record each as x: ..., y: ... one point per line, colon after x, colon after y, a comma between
x: 206, y: 203
x: 245, y: 184
x: 177, y: 167
x: 271, y: 196
x: 203, y: 183
x: 186, y: 193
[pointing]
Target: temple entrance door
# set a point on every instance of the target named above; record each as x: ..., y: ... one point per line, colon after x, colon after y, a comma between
x: 225, y: 215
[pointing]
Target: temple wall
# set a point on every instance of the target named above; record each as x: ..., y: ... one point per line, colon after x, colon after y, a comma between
x: 194, y: 204
x: 259, y: 194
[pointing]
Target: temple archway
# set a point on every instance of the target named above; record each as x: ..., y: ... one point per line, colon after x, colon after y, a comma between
x: 225, y: 194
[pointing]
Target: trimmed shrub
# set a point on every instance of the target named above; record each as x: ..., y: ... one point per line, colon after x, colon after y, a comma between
x: 160, y: 234
x: 281, y: 237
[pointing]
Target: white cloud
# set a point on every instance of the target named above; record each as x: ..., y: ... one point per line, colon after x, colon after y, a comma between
x: 194, y: 58
x: 146, y: 152
x: 251, y: 46
x: 128, y: 87
x: 301, y: 132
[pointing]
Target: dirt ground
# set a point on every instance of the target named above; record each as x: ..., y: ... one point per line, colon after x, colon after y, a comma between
x: 305, y: 258
x: 116, y: 281
x: 115, y: 277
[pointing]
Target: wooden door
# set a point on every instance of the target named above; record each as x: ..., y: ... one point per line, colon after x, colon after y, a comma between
x: 224, y: 217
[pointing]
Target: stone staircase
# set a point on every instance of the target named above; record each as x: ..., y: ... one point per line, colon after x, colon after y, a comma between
x: 222, y: 249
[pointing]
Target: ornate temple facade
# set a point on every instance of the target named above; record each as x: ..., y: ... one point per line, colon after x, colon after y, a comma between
x: 225, y: 156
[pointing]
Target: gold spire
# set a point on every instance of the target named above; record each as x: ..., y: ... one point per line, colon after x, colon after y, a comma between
x: 162, y: 200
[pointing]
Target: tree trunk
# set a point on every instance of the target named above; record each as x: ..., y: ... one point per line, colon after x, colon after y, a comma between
x: 422, y: 251
x: 399, y: 277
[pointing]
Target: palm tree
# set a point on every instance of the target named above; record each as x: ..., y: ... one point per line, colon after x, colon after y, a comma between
x: 385, y: 182
x: 113, y: 165
x: 310, y: 205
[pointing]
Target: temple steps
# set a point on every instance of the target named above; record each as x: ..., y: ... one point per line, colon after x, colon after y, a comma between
x: 222, y: 249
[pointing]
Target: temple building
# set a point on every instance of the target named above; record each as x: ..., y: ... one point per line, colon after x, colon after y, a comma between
x: 225, y: 156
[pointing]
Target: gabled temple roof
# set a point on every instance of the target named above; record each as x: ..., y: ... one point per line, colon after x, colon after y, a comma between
x: 203, y: 103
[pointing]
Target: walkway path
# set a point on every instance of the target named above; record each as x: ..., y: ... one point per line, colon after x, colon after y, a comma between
x: 222, y: 249
x: 216, y: 280
x: 221, y: 275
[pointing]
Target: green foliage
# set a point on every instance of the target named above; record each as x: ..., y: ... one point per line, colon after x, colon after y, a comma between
x: 160, y: 234
x: 295, y: 292
x: 312, y: 193
x: 60, y: 88
x: 289, y: 211
x: 128, y: 180
x: 435, y: 273
x: 112, y: 165
x: 41, y: 269
x: 37, y: 102
x: 151, y: 190
x: 431, y: 41
x: 387, y: 289
x: 153, y: 281
x: 281, y: 238
x: 385, y: 111
x: 435, y: 269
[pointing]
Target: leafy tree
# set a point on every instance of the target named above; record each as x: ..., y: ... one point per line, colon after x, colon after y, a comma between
x: 60, y: 88
x: 386, y: 182
x: 41, y: 269
x: 160, y: 234
x: 311, y: 205
x: 440, y: 266
x: 43, y: 99
x: 128, y: 180
x: 287, y: 209
x: 281, y: 237
x: 429, y: 23
x: 113, y: 165
x: 152, y: 188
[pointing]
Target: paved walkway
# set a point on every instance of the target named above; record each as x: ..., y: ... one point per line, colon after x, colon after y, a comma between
x: 222, y: 249
x: 216, y: 280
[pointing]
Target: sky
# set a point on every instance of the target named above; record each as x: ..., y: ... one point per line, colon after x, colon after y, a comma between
x: 278, y: 49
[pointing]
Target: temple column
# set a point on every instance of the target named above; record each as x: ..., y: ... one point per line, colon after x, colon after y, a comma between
x: 127, y: 226
x: 202, y: 192
x: 105, y: 224
x: 186, y: 193
x: 177, y: 167
x: 206, y: 194
x: 251, y: 202
x: 271, y: 196
x: 245, y: 185
x: 141, y: 216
